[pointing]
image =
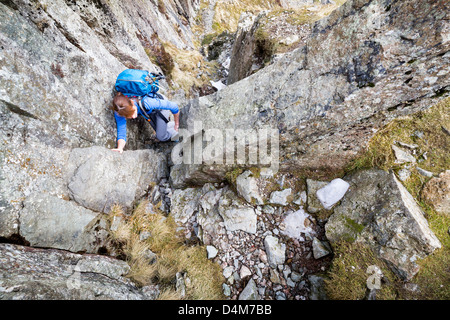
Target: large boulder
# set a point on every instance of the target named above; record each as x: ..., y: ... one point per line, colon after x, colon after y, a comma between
x: 98, y: 178
x: 47, y: 274
x: 47, y: 221
x: 379, y: 211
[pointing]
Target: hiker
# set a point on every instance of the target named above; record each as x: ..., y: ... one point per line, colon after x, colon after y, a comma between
x: 157, y: 110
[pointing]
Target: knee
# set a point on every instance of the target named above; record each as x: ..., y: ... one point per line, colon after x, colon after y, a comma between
x: 162, y: 136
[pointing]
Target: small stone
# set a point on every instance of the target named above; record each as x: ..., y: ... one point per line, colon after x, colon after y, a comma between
x: 275, y: 251
x: 295, y: 276
x: 250, y: 291
x: 228, y: 271
x: 280, y: 296
x: 212, y: 252
x: 274, y: 276
x: 281, y: 197
x: 245, y: 272
x: 290, y: 283
x: 424, y: 172
x: 332, y: 193
x: 404, y: 174
x: 406, y: 145
x: 402, y: 156
x: 226, y: 290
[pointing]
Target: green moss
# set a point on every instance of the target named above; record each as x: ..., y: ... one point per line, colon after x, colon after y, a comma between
x: 355, y: 227
x: 207, y: 39
x: 232, y: 175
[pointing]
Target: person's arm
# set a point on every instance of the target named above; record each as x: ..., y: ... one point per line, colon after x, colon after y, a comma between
x: 120, y: 145
x: 151, y: 103
x: 176, y: 118
x: 121, y: 123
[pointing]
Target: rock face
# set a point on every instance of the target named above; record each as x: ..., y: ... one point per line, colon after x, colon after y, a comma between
x: 363, y: 65
x: 379, y: 211
x: 99, y: 177
x: 59, y: 60
x: 37, y: 274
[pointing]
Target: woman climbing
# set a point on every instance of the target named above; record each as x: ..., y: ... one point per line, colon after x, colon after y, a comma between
x: 156, y: 111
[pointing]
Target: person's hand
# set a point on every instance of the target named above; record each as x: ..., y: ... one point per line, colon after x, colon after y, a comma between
x: 176, y: 126
x: 120, y: 146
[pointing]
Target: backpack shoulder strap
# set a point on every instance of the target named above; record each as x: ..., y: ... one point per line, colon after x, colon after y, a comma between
x: 141, y: 107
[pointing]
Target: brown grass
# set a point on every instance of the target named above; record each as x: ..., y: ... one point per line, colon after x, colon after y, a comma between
x: 172, y: 255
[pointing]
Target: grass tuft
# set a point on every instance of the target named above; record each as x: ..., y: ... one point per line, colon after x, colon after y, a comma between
x: 172, y: 255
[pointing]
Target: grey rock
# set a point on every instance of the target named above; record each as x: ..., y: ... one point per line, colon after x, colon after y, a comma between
x: 403, y: 156
x: 244, y: 272
x: 404, y: 174
x: 295, y: 276
x: 250, y: 291
x: 48, y: 274
x: 212, y: 252
x: 226, y: 289
x: 338, y: 79
x: 247, y: 187
x: 319, y: 249
x: 332, y: 193
x: 236, y: 214
x: 98, y: 178
x: 50, y: 222
x: 180, y: 284
x: 317, y: 288
x: 313, y: 186
x: 280, y: 295
x: 379, y: 211
x: 208, y: 217
x: 275, y: 250
x: 68, y: 55
x: 407, y: 145
x: 228, y: 271
x: 281, y: 198
x: 425, y: 172
x: 184, y: 203
x: 150, y: 256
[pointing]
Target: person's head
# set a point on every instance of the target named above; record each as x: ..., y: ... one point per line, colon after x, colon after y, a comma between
x: 124, y: 106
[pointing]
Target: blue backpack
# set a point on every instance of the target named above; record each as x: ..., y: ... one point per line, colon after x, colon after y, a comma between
x: 138, y: 83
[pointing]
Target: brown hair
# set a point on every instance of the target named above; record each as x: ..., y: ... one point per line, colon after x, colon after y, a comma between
x: 123, y: 105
